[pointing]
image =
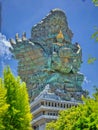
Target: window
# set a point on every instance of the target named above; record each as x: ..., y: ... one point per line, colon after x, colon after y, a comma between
x: 49, y: 104
x: 61, y: 104
x: 42, y: 103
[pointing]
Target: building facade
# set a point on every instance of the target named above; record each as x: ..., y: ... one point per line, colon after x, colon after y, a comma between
x: 46, y: 107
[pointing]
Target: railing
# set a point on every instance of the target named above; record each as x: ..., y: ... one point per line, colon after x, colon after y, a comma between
x: 44, y: 117
x: 47, y: 108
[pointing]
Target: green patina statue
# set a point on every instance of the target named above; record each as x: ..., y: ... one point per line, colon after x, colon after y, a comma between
x: 49, y: 57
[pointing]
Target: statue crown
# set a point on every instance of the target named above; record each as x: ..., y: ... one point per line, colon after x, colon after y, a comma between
x: 60, y: 35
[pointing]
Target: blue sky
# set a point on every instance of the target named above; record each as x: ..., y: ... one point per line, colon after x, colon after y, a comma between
x: 21, y: 15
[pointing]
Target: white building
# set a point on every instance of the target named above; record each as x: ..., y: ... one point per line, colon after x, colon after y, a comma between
x: 46, y: 106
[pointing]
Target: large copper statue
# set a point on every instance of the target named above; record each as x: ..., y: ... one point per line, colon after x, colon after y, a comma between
x: 49, y: 57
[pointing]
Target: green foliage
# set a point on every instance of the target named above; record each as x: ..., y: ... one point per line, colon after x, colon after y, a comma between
x: 95, y: 2
x: 18, y: 114
x: 83, y: 117
x: 3, y: 105
x: 91, y: 60
x: 95, y: 35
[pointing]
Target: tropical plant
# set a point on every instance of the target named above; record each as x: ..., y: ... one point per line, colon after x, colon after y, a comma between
x: 17, y: 112
x: 83, y: 117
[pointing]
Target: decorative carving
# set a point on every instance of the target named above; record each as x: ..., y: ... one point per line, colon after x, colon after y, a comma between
x: 24, y: 36
x: 60, y: 37
x: 12, y: 41
x: 17, y: 38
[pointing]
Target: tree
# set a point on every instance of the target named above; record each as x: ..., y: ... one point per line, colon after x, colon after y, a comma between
x: 95, y: 37
x: 95, y: 34
x: 18, y: 114
x: 95, y: 2
x: 83, y: 117
x: 3, y: 105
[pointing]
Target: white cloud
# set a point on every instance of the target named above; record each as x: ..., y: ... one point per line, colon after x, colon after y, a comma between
x: 6, y: 56
x: 4, y: 40
x: 86, y: 80
x: 4, y: 47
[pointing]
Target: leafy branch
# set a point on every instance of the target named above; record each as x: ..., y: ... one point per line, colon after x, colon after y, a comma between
x: 95, y: 2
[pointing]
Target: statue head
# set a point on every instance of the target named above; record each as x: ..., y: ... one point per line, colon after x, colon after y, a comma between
x: 60, y: 36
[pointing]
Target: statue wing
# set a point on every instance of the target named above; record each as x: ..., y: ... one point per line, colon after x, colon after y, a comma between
x: 31, y: 61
